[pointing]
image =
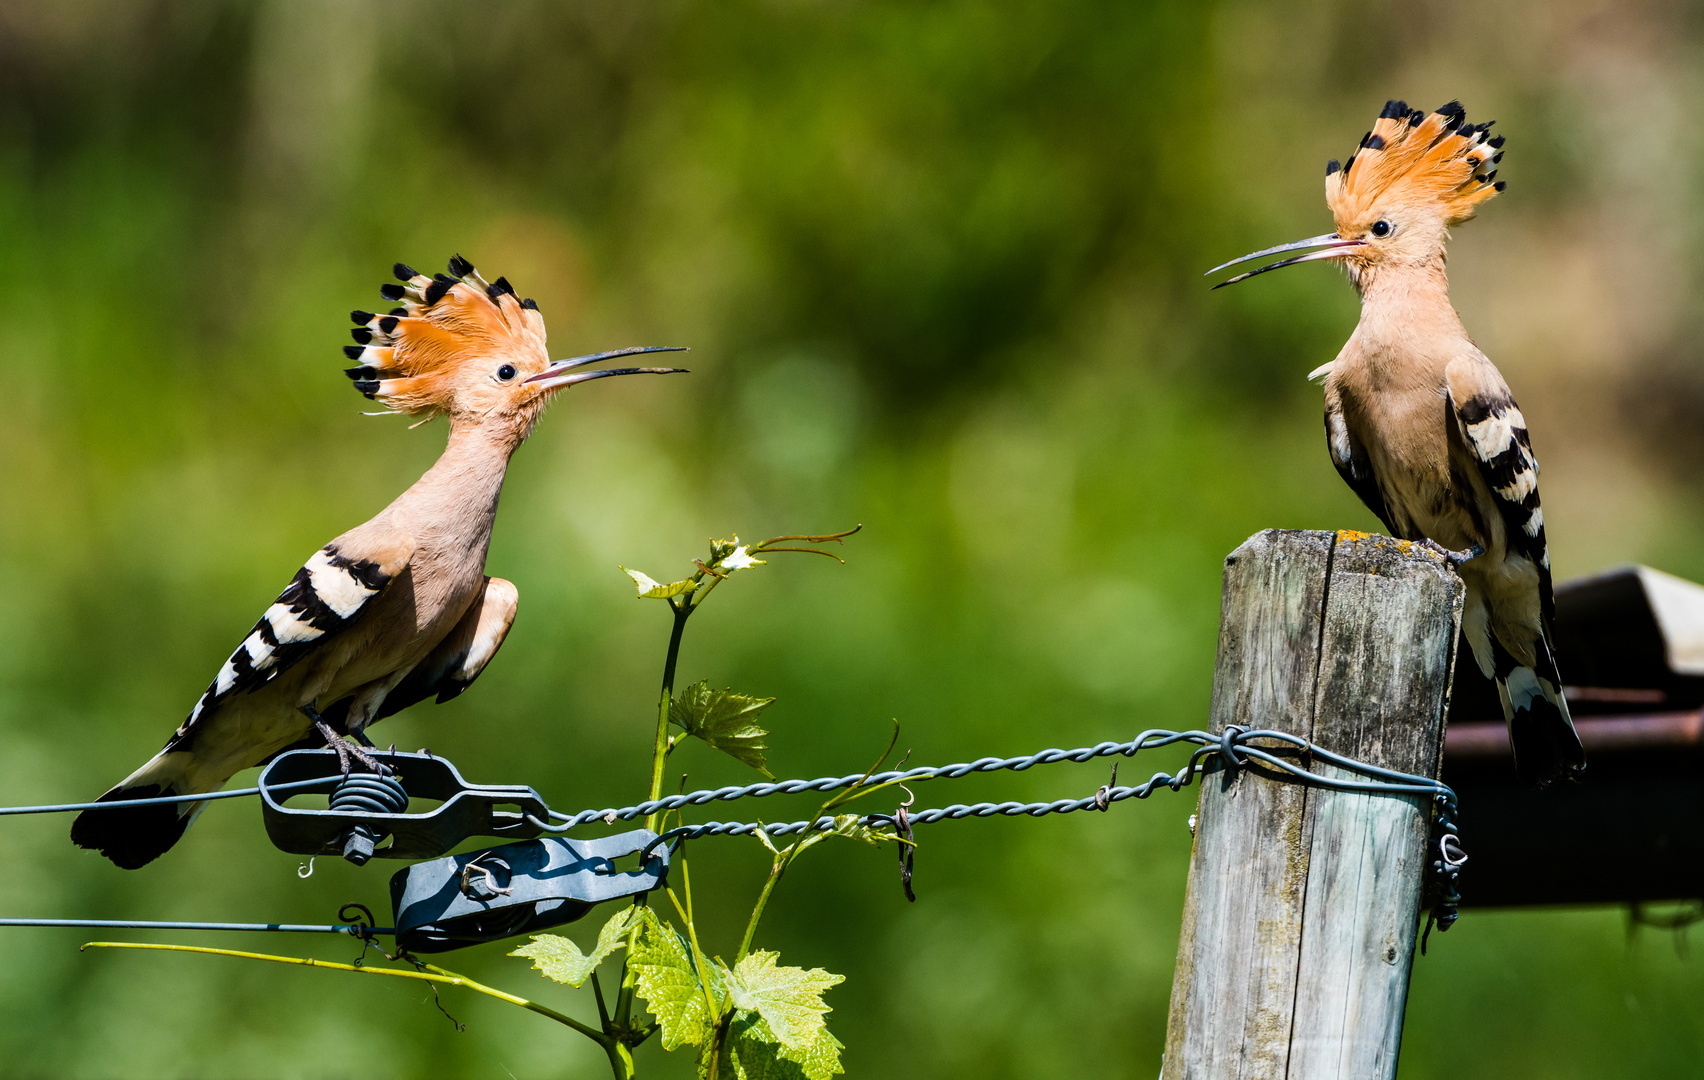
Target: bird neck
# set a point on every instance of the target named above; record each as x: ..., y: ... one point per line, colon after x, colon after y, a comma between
x: 1406, y: 307
x: 458, y: 495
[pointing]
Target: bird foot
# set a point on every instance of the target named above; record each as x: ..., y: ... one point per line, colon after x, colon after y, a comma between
x: 1454, y: 558
x: 347, y: 753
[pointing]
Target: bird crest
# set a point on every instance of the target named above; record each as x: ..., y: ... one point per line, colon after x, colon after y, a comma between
x: 1437, y: 161
x: 413, y: 358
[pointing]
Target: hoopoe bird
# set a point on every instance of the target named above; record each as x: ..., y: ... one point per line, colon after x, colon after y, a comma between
x: 1421, y: 425
x: 393, y: 611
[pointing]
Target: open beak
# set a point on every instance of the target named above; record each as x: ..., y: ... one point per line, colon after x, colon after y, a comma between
x: 1335, y: 248
x: 558, y: 373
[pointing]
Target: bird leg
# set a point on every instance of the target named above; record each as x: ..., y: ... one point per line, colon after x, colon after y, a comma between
x: 338, y: 743
x: 1454, y: 558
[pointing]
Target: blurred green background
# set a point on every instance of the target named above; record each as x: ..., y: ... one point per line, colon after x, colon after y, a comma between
x: 940, y: 265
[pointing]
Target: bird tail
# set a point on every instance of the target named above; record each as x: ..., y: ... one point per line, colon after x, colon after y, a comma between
x: 1541, y: 731
x: 135, y: 836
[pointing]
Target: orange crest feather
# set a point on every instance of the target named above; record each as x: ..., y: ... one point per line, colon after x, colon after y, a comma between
x: 1437, y: 160
x: 412, y: 358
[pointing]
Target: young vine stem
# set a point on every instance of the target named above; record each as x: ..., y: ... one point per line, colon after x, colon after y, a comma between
x: 660, y: 749
x: 618, y: 1031
x: 685, y: 914
x: 429, y: 974
x: 785, y: 857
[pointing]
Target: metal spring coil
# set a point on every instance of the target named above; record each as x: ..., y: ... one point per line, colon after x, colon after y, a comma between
x: 367, y: 793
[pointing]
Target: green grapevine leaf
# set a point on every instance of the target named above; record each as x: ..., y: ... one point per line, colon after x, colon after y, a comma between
x: 725, y: 720
x: 852, y: 827
x: 561, y: 959
x: 738, y: 559
x: 820, y: 1059
x: 763, y: 838
x: 662, y: 963
x: 651, y: 589
x: 789, y: 999
x: 753, y: 1053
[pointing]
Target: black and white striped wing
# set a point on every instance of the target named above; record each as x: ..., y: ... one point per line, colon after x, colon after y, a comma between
x: 326, y: 595
x: 1496, y: 435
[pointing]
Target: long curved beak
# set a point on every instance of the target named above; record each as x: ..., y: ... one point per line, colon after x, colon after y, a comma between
x: 558, y: 373
x: 1335, y: 248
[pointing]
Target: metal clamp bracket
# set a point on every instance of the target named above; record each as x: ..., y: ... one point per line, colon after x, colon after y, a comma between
x: 521, y: 888
x: 465, y: 809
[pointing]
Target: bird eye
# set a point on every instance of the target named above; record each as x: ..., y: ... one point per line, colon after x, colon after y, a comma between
x: 506, y: 372
x: 1381, y: 229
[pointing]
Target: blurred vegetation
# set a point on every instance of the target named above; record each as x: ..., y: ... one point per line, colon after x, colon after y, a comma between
x: 940, y: 266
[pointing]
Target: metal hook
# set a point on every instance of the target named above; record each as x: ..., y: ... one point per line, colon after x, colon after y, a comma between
x: 490, y: 887
x: 1449, y: 847
x: 906, y: 843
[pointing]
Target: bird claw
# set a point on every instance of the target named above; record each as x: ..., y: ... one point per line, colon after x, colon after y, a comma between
x: 347, y: 751
x: 371, y: 762
x: 1454, y: 558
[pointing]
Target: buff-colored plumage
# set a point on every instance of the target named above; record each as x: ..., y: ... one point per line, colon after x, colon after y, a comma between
x: 1418, y: 420
x: 397, y: 609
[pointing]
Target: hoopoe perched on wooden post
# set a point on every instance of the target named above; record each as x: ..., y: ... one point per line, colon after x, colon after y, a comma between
x: 398, y: 609
x: 1421, y: 425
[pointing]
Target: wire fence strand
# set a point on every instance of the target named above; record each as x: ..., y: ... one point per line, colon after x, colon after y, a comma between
x: 163, y: 800
x: 352, y: 929
x: 1234, y: 747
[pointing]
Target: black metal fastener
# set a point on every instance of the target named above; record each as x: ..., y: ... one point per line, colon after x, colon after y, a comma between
x: 366, y: 808
x: 521, y: 888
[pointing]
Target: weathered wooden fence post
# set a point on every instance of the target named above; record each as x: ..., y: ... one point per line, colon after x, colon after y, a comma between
x: 1299, y: 923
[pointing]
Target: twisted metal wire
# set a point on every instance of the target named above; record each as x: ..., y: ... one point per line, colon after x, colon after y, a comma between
x: 1148, y: 740
x: 1232, y: 745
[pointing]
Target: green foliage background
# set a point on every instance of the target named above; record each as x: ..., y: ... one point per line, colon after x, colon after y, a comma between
x: 940, y: 268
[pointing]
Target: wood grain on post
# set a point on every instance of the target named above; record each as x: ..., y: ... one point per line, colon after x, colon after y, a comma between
x: 1300, y: 917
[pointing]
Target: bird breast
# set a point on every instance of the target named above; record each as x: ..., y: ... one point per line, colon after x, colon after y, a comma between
x: 1403, y: 430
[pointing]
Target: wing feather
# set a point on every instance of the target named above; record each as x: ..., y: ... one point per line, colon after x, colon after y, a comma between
x: 1495, y: 433
x: 327, y: 594
x: 1353, y: 464
x: 462, y: 655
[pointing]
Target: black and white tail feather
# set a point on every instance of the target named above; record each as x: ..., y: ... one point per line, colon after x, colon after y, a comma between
x: 325, y: 595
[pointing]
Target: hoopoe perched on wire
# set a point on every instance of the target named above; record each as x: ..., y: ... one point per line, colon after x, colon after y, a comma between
x: 1421, y: 425
x: 393, y: 611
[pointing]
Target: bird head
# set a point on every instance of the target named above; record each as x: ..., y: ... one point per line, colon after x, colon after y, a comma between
x: 1412, y: 177
x: 467, y: 348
